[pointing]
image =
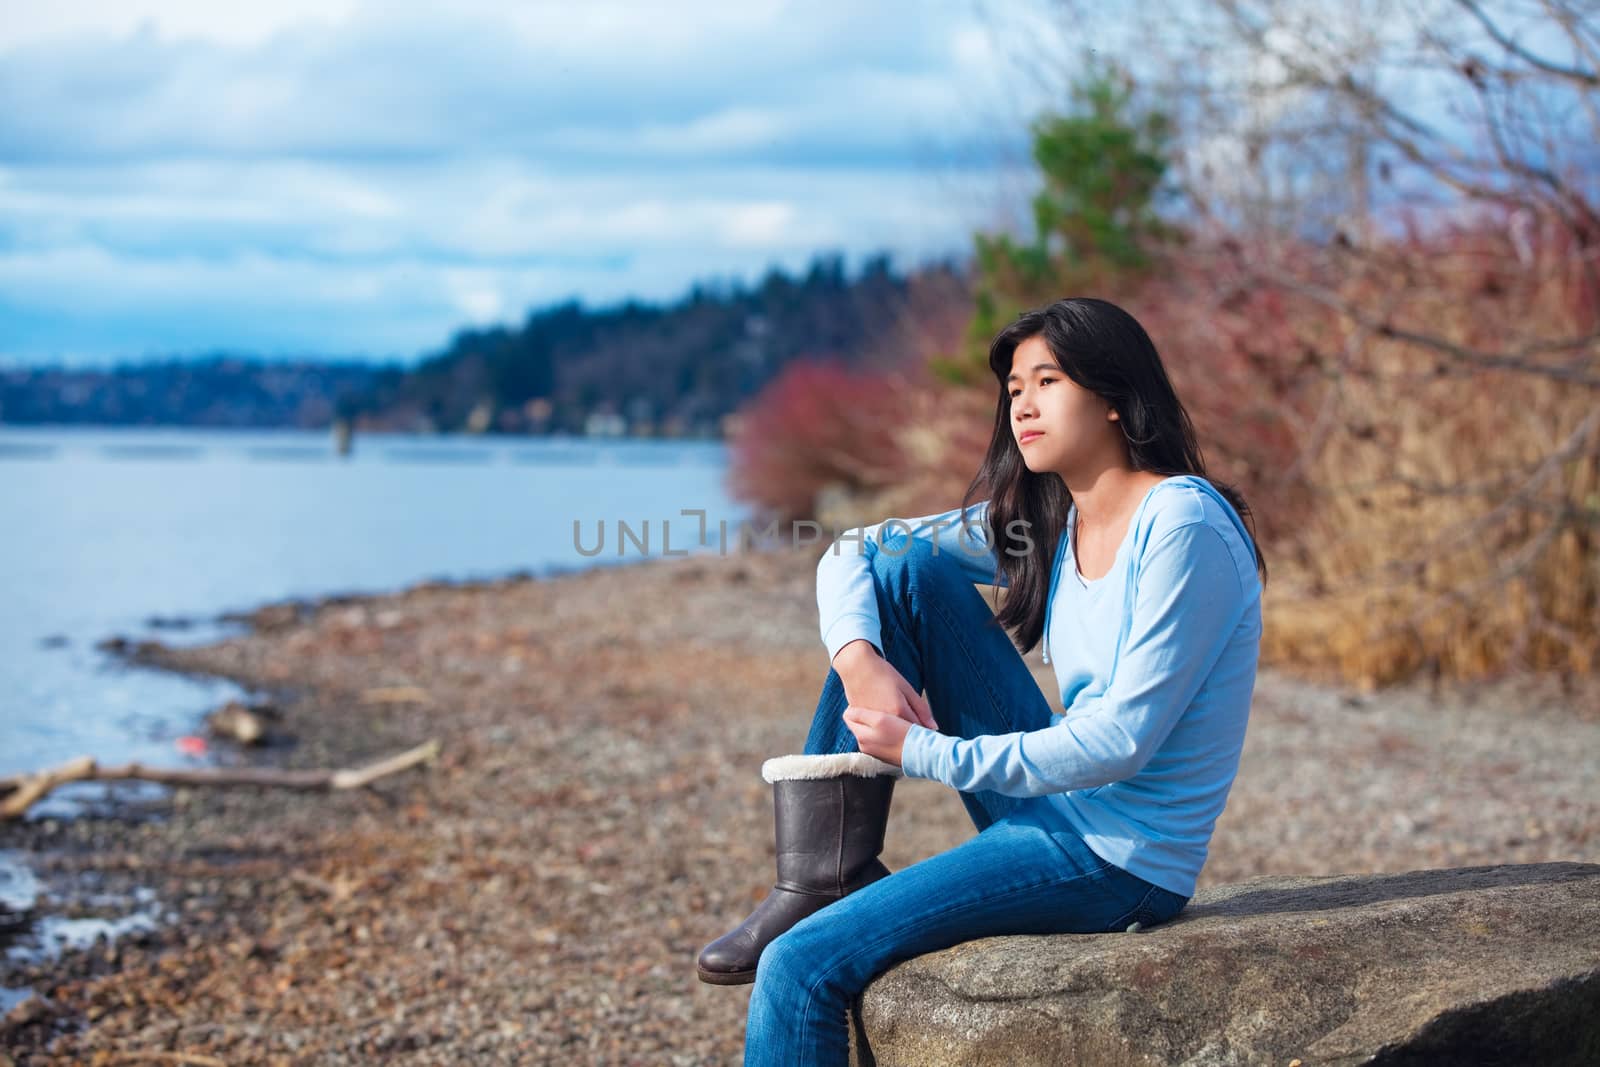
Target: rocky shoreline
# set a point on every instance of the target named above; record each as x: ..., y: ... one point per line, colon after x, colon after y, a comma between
x: 597, y: 814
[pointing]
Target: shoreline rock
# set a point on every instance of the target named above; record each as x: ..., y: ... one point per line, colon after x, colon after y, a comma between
x: 1469, y: 965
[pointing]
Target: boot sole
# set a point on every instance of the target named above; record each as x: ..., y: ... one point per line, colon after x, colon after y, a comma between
x: 726, y: 977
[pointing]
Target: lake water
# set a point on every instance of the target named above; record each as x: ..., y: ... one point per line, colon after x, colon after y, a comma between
x: 105, y: 531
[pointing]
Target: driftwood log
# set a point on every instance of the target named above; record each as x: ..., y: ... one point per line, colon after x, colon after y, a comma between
x: 18, y: 794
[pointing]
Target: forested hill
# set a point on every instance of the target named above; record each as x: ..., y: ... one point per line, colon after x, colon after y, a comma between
x: 674, y: 369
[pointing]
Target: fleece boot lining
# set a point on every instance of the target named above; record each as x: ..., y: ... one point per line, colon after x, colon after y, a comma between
x: 789, y: 768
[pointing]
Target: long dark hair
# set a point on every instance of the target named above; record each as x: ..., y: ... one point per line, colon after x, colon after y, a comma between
x: 1105, y: 350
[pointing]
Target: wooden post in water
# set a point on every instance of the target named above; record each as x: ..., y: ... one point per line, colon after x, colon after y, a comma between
x: 343, y: 434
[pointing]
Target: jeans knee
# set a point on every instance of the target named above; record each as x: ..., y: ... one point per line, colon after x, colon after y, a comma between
x: 899, y: 555
x: 905, y: 567
x: 781, y: 971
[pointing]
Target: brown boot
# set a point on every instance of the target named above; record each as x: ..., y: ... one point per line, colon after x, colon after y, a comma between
x: 830, y: 813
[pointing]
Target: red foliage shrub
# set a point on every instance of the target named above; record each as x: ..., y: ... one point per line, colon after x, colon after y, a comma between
x: 818, y: 423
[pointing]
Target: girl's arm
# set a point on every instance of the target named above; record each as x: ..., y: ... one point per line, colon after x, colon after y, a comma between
x: 1188, y: 602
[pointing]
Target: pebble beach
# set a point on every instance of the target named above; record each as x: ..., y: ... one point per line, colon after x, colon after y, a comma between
x: 596, y: 815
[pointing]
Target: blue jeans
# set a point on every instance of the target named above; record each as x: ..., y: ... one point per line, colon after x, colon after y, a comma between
x: 1022, y: 873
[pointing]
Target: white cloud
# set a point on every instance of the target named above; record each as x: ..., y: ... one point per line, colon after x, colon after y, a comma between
x: 475, y: 294
x: 243, y: 23
x: 375, y: 175
x: 412, y: 81
x: 732, y: 128
x: 758, y: 225
x: 274, y: 254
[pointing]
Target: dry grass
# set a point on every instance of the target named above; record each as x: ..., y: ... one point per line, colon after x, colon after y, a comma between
x: 1456, y: 504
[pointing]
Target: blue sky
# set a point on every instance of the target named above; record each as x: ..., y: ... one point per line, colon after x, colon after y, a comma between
x: 354, y: 178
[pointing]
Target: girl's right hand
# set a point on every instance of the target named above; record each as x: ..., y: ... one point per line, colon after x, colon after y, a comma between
x: 872, y: 682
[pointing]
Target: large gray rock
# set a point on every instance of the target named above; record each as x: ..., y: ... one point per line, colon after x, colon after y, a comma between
x: 1470, y: 966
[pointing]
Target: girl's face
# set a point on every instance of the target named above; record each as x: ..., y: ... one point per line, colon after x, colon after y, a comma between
x: 1059, y: 425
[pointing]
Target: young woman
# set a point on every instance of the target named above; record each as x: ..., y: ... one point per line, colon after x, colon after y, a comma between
x: 1144, y: 583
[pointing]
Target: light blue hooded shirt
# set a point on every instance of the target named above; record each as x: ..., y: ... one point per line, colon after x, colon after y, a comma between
x: 1155, y: 664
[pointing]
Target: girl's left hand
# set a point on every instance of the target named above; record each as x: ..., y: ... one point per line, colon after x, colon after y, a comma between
x: 878, y: 733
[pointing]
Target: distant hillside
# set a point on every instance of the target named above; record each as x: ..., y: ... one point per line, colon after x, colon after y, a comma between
x: 215, y: 390
x: 674, y: 370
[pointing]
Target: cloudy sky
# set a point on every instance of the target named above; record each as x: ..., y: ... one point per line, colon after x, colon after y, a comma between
x: 352, y: 178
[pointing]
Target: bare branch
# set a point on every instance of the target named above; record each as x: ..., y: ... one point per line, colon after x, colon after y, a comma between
x: 1584, y: 77
x: 1519, y: 361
